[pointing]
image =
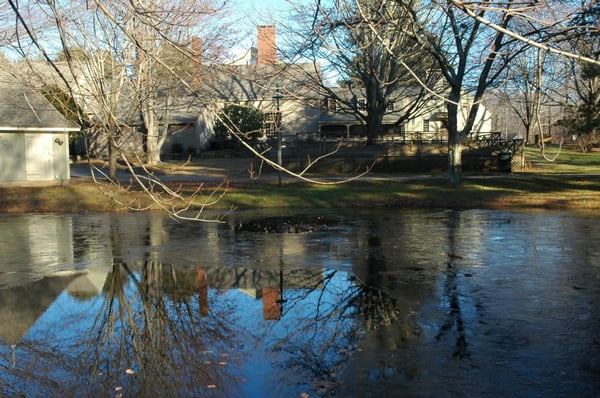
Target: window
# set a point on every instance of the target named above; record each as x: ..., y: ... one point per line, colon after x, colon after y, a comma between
x: 362, y: 104
x: 329, y: 105
x: 390, y: 107
x: 272, y: 123
x: 425, y: 126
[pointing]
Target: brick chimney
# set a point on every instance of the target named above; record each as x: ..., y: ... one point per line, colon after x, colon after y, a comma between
x: 271, y: 305
x: 267, y: 46
x: 196, y: 60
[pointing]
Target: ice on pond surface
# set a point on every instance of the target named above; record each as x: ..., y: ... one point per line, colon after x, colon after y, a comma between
x: 361, y: 303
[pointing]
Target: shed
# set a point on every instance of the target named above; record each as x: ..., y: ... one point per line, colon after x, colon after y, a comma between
x: 34, y: 137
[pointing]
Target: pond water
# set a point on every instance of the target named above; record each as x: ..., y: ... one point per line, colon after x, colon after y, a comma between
x: 346, y: 303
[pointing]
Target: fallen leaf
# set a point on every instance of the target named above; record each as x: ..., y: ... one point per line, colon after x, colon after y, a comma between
x: 130, y: 371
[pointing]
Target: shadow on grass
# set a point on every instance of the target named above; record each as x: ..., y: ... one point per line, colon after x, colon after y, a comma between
x: 509, y: 191
x: 547, y: 192
x: 71, y: 198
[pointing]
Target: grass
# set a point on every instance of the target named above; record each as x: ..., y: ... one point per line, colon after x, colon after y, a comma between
x: 518, y: 191
x: 563, y: 160
x: 570, y: 182
x: 72, y: 198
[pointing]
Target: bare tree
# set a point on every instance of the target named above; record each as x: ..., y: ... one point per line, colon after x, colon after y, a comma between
x: 471, y: 58
x: 124, y: 64
x: 583, y: 96
x: 473, y: 43
x: 353, y: 38
x: 125, y: 58
x: 535, y: 83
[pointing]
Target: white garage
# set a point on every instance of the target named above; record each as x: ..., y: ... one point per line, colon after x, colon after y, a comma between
x: 34, y: 137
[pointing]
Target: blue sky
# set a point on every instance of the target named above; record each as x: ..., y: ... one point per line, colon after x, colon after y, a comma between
x: 264, y: 6
x: 260, y: 12
x: 264, y: 12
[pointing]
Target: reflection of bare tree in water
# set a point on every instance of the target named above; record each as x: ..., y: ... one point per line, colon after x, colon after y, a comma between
x: 32, y: 372
x: 374, y: 305
x: 159, y: 347
x: 454, y: 321
x: 144, y: 344
x: 319, y: 346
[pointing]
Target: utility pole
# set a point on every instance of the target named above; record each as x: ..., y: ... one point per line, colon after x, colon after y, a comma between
x: 277, y: 97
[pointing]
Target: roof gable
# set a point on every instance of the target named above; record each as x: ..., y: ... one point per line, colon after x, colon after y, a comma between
x: 24, y: 109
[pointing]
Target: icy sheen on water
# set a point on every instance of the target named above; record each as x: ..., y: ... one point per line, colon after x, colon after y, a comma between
x: 316, y: 303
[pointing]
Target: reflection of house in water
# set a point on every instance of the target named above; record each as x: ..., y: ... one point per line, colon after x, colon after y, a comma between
x: 268, y: 285
x: 21, y: 306
x: 34, y: 247
x: 90, y: 283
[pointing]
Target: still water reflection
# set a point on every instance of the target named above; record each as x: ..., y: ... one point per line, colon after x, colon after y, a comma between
x: 373, y: 303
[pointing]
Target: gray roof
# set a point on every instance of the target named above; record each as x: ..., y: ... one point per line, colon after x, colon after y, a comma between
x: 22, y: 305
x: 24, y: 109
x: 256, y: 82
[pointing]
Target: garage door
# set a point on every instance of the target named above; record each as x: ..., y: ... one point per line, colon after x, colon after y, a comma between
x: 38, y: 148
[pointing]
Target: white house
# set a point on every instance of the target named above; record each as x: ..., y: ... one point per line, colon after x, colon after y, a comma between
x: 34, y: 137
x: 295, y: 104
x: 429, y: 124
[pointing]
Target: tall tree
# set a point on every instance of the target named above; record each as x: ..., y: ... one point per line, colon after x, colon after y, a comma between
x: 123, y: 62
x: 359, y: 42
x: 473, y: 43
x: 533, y: 89
x: 122, y: 59
x: 471, y: 58
x: 584, y: 118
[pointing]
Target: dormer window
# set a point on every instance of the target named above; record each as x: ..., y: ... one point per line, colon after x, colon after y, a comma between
x: 362, y: 104
x: 329, y: 105
x: 390, y: 107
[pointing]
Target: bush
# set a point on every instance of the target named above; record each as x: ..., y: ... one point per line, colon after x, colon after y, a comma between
x: 177, y: 147
x: 243, y: 119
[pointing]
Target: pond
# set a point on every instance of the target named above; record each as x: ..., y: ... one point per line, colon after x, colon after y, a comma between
x: 360, y: 303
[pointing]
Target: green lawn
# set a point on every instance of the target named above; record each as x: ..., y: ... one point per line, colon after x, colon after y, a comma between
x: 571, y: 181
x: 565, y: 160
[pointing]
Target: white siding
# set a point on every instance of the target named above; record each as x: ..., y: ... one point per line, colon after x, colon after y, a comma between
x: 39, y: 157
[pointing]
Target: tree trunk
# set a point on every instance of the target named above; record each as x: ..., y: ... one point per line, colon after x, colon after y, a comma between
x: 155, y: 140
x: 153, y: 154
x: 527, y: 127
x: 155, y: 134
x: 455, y: 149
x: 373, y: 127
x: 151, y: 135
x: 455, y: 146
x: 113, y: 156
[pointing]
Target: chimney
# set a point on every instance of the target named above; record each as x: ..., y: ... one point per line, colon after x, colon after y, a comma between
x: 203, y: 291
x: 271, y: 304
x: 196, y: 60
x: 267, y: 46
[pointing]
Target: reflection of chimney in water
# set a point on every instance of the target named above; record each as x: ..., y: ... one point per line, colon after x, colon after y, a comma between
x: 271, y: 305
x: 267, y: 46
x: 203, y: 291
